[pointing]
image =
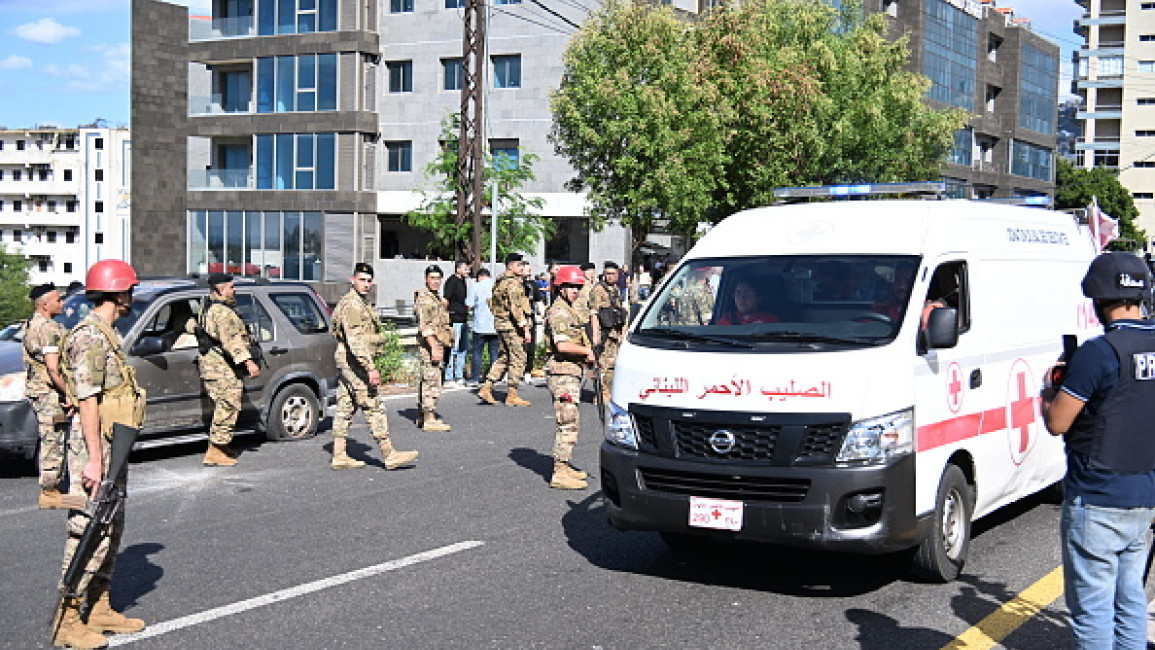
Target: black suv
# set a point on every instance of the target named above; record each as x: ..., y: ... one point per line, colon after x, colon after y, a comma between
x: 287, y: 319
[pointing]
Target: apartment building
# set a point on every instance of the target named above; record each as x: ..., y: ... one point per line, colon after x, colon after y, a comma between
x: 986, y: 60
x: 1115, y: 77
x: 65, y: 199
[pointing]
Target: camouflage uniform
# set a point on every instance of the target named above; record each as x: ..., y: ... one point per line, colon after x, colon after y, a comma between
x: 432, y: 320
x: 564, y: 375
x: 604, y: 296
x: 222, y: 378
x: 690, y: 304
x: 42, y: 336
x: 358, y: 331
x: 95, y: 365
x: 511, y: 312
x: 581, y: 305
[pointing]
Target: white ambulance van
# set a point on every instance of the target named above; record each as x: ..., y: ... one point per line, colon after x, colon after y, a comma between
x: 858, y: 376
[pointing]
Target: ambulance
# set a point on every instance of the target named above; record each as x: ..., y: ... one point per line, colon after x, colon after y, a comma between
x: 859, y: 376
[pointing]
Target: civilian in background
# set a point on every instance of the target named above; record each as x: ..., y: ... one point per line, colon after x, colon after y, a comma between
x: 455, y: 291
x: 483, y: 332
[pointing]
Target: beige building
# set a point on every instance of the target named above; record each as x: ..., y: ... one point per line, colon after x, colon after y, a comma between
x: 1115, y: 76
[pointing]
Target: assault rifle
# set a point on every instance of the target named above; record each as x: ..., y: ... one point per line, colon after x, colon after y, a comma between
x: 102, y: 510
x: 599, y: 396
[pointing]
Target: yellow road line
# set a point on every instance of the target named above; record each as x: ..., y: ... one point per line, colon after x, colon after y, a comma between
x: 999, y: 624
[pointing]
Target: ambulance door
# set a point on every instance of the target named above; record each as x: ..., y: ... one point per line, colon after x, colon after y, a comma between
x: 950, y: 391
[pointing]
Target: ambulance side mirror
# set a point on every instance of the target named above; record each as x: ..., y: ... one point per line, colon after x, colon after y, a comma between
x: 942, y: 328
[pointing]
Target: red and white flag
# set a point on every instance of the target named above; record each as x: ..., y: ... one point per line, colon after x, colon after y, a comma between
x: 1104, y: 228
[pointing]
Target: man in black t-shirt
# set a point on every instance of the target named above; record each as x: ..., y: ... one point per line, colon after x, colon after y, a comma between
x: 455, y: 291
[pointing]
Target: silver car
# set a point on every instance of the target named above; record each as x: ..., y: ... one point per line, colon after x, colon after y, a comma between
x: 288, y: 320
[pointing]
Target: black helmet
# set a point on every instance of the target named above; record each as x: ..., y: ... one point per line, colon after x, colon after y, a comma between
x: 1117, y: 276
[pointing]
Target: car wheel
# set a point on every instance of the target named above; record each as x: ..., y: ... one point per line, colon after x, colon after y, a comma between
x: 941, y: 555
x: 294, y: 414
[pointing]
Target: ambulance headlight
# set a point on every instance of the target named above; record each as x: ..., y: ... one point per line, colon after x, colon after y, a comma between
x: 879, y: 439
x: 620, y: 427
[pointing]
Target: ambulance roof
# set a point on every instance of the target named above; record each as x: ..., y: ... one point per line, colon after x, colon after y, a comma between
x: 894, y: 227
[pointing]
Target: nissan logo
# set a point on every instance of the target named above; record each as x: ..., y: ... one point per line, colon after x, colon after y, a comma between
x: 722, y: 441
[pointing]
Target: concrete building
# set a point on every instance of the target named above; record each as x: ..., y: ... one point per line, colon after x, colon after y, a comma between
x: 987, y: 61
x: 65, y: 199
x: 1115, y: 77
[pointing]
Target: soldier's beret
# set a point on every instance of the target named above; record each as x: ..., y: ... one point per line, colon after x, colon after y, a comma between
x: 40, y: 290
x: 219, y: 278
x: 514, y: 257
x: 588, y: 266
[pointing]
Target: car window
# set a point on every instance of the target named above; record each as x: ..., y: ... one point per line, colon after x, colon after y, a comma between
x: 173, y: 323
x: 258, y: 321
x: 302, y: 312
x: 77, y: 306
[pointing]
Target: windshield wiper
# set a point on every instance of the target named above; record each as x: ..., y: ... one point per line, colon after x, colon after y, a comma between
x: 810, y: 337
x: 690, y: 336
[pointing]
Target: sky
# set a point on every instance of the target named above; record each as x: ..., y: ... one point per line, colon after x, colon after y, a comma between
x: 67, y: 62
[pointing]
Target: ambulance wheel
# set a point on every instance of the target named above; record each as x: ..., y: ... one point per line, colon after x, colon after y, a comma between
x: 294, y: 414
x: 941, y: 555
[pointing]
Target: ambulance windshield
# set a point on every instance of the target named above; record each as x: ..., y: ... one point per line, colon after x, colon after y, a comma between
x: 846, y: 299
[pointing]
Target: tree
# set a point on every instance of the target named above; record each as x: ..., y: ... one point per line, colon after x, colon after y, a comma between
x: 689, y: 122
x: 520, y: 224
x: 14, y: 302
x: 1075, y: 187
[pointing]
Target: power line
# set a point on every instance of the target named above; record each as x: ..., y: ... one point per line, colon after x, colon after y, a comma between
x: 530, y: 20
x: 563, y: 18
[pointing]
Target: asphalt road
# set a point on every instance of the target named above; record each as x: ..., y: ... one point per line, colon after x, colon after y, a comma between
x: 471, y: 549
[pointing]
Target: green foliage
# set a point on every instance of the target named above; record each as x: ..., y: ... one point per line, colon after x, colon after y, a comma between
x: 1075, y: 187
x: 391, y: 362
x: 520, y: 225
x: 14, y: 302
x: 689, y: 122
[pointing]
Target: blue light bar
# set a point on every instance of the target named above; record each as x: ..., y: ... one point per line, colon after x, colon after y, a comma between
x: 865, y: 189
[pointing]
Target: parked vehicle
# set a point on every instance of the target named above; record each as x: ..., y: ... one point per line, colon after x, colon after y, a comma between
x: 857, y: 376
x: 287, y: 319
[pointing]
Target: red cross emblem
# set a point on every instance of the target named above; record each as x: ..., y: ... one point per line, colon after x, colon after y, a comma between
x: 954, y: 388
x: 1022, y: 411
x: 716, y: 513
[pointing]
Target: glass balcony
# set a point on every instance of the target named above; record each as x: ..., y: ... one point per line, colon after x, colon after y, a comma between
x: 216, y: 104
x: 220, y: 179
x: 201, y: 28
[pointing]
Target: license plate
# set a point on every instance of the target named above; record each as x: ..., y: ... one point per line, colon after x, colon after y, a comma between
x: 719, y: 514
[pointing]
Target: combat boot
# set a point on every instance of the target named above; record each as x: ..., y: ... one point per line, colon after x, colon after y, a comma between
x: 70, y: 630
x: 564, y: 480
x: 513, y: 399
x: 219, y: 456
x: 49, y: 498
x: 573, y: 471
x: 341, y: 458
x: 394, y: 459
x: 486, y: 393
x: 430, y: 422
x: 103, y: 618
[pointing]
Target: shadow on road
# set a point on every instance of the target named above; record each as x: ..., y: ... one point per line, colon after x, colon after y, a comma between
x: 881, y: 632
x: 136, y: 575
x: 979, y: 598
x: 534, y: 461
x: 743, y: 565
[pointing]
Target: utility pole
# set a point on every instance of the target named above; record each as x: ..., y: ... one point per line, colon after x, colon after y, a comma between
x: 470, y: 147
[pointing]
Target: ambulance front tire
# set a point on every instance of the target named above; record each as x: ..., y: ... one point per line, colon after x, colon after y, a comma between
x: 941, y: 555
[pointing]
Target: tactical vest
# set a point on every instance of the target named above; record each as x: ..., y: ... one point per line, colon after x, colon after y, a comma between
x: 612, y: 317
x: 1119, y: 435
x: 124, y: 403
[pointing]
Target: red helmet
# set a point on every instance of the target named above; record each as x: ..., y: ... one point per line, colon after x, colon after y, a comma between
x: 569, y: 275
x: 110, y: 275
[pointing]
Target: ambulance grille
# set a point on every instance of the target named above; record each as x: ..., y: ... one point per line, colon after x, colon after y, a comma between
x: 821, y: 442
x: 645, y: 427
x: 724, y: 486
x: 692, y: 439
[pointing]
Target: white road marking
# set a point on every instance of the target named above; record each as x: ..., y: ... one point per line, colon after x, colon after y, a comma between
x: 292, y: 592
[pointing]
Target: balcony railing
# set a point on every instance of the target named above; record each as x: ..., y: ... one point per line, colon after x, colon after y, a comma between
x: 202, y: 28
x: 220, y: 179
x: 214, y: 105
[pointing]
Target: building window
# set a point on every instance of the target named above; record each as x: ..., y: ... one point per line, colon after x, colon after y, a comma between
x: 70, y: 237
x: 70, y: 206
x: 1, y: 206
x: 1, y: 174
x: 452, y: 73
x: 98, y: 238
x: 454, y: 4
x: 963, y: 150
x: 949, y: 54
x: 98, y: 143
x: 236, y: 91
x: 1144, y: 66
x: 296, y: 16
x: 1038, y: 90
x: 98, y: 175
x: 17, y: 206
x: 19, y: 145
x: 43, y: 174
x: 98, y: 206
x: 1147, y: 5
x: 400, y: 76
x: 42, y: 264
x: 279, y: 245
x: 1143, y: 195
x: 1031, y: 161
x: 1145, y: 133
x: 400, y: 156
x: 506, y: 154
x: 17, y: 174
x: 52, y: 206
x: 51, y: 236
x: 507, y: 71
x: 1146, y: 38
x: 400, y: 6
x: 1145, y: 101
x: 297, y: 83
x: 17, y: 235
x: 296, y: 161
x: 68, y: 267
x: 508, y: 2
x: 67, y: 174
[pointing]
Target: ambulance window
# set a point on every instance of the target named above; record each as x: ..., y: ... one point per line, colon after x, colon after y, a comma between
x: 948, y: 288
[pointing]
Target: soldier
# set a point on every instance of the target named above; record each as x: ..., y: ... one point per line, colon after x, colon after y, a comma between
x: 434, y: 333
x: 224, y: 349
x: 511, y: 316
x: 104, y: 388
x: 610, y: 316
x: 44, y: 387
x: 582, y: 304
x: 358, y: 332
x: 570, y: 350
